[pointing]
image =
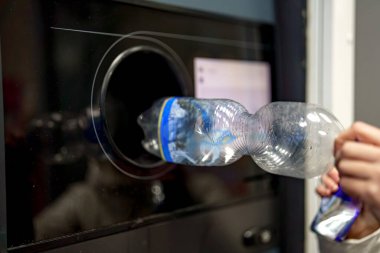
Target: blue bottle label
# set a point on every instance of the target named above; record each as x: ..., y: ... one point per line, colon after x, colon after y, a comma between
x: 164, y: 129
x: 187, y: 133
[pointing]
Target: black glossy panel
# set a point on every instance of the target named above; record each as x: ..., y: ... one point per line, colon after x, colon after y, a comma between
x: 61, y: 187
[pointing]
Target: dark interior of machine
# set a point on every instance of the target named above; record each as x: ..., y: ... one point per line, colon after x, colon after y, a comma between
x: 126, y: 95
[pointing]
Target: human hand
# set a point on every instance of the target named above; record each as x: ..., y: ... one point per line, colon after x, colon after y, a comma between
x: 330, y: 183
x: 357, y: 153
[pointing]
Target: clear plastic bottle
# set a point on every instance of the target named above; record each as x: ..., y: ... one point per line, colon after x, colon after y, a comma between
x: 286, y: 138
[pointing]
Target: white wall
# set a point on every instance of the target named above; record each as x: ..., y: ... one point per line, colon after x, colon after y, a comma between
x: 330, y: 76
x: 367, y: 58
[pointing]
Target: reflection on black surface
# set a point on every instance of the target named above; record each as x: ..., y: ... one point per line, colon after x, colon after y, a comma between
x: 104, y: 198
x: 75, y: 188
x: 87, y: 192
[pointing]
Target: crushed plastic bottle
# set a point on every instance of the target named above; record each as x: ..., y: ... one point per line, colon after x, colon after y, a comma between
x: 287, y: 138
x: 336, y: 215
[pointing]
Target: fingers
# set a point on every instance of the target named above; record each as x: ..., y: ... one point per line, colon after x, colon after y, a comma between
x: 359, y: 151
x: 334, y: 174
x: 361, y: 132
x: 353, y: 187
x: 367, y: 191
x: 329, y: 183
x: 367, y: 133
x: 357, y: 169
x: 323, y: 191
x: 358, y: 160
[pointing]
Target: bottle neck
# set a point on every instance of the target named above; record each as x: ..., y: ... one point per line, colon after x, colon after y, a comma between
x: 255, y: 133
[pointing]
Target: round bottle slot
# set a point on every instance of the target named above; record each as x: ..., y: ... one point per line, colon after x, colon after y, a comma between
x: 136, y: 78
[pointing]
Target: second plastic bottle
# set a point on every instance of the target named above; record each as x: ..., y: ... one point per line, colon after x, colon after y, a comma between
x: 286, y: 138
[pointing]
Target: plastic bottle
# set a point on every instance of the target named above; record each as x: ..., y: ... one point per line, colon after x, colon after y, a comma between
x: 286, y: 138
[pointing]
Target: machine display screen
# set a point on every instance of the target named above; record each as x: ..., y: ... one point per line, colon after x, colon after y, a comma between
x: 247, y: 82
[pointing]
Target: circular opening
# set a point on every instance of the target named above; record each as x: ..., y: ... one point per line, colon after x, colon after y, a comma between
x: 136, y: 78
